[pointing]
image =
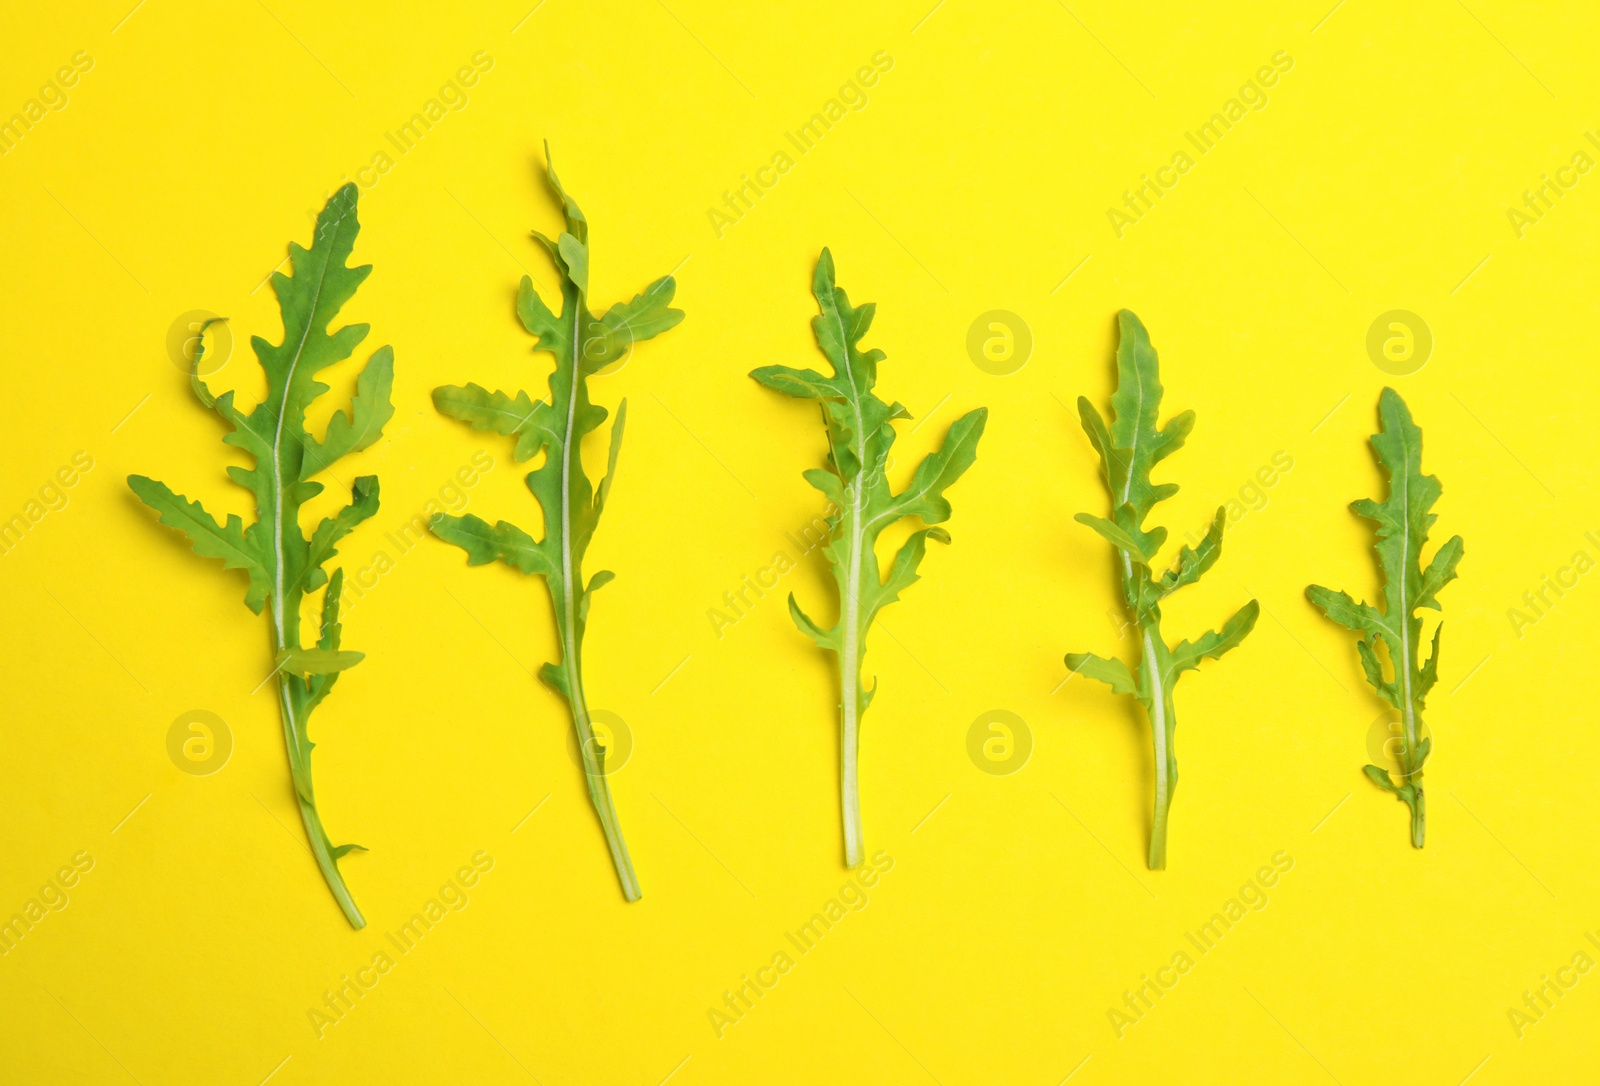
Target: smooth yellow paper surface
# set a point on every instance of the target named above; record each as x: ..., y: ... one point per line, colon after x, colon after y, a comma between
x: 1431, y: 159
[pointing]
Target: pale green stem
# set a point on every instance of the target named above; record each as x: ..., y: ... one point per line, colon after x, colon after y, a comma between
x: 300, y: 775
x: 567, y: 609
x: 855, y: 846
x: 599, y: 789
x: 1160, y: 714
x: 1413, y: 776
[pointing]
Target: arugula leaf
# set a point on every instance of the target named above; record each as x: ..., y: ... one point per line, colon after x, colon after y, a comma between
x: 281, y: 562
x: 582, y: 344
x: 1403, y: 519
x: 859, y: 436
x: 1128, y: 449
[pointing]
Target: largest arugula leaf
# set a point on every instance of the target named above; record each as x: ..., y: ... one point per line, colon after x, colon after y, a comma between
x: 582, y: 345
x: 1128, y: 449
x: 1403, y: 519
x: 282, y: 563
x: 859, y: 437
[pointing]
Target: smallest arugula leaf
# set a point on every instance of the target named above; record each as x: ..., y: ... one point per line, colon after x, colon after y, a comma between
x: 1403, y: 519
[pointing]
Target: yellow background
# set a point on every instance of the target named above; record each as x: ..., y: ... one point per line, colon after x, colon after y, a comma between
x: 1378, y: 177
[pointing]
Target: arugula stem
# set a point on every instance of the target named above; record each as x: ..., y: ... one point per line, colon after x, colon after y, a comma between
x: 1412, y: 777
x: 1159, y: 707
x: 568, y: 619
x: 599, y: 788
x: 851, y: 650
x: 1158, y: 829
x: 285, y: 624
x: 285, y: 635
x: 1413, y: 721
x: 1160, y: 714
x: 326, y: 863
x: 300, y: 773
x: 855, y: 844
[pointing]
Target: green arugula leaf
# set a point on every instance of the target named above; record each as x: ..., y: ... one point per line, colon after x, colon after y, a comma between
x: 282, y: 563
x: 1403, y: 519
x: 485, y: 543
x: 363, y: 504
x: 369, y: 411
x: 571, y: 505
x: 859, y: 438
x: 528, y: 420
x: 209, y: 539
x: 318, y: 661
x: 1113, y: 535
x: 1114, y: 673
x: 1129, y: 448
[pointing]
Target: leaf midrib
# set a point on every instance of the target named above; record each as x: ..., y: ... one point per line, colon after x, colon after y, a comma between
x: 279, y: 523
x: 1404, y: 618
